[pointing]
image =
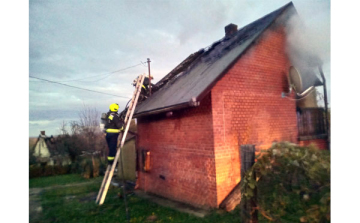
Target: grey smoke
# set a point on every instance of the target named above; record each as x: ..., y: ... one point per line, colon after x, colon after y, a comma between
x: 308, y: 45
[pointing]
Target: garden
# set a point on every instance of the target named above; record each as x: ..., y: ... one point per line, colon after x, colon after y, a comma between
x: 289, y: 184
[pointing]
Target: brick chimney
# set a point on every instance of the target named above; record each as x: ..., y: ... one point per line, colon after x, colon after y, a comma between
x: 230, y: 29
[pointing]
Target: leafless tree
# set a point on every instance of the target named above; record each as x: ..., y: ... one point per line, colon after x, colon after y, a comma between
x: 89, y: 128
x: 89, y: 120
x: 85, y: 137
x: 63, y: 130
x: 75, y: 128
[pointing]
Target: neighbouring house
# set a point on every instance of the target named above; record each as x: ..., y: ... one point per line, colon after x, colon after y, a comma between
x: 217, y: 99
x: 46, y: 153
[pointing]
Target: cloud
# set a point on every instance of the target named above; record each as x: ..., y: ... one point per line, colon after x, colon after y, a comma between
x: 78, y: 39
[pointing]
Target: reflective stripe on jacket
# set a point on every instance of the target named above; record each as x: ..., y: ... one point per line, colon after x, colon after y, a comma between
x: 114, y: 130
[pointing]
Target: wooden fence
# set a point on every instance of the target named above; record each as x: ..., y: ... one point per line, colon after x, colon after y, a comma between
x: 249, y: 213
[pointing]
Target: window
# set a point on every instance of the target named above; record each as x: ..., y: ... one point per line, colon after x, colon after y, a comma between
x: 145, y: 159
x: 311, y: 122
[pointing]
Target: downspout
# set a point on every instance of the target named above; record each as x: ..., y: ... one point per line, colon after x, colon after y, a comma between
x: 326, y: 108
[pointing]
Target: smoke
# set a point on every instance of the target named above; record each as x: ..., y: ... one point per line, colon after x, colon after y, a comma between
x: 308, y: 44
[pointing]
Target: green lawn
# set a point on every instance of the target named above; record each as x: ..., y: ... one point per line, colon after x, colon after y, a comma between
x: 57, y: 180
x: 77, y: 204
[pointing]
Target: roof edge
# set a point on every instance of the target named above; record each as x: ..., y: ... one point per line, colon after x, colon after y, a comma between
x: 211, y: 85
x: 163, y: 109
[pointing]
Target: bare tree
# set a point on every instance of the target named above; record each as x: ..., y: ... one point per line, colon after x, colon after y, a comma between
x: 85, y: 137
x: 89, y: 128
x: 62, y: 128
x: 75, y: 128
x: 89, y: 120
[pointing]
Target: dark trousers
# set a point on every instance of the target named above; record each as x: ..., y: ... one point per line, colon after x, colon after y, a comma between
x: 111, y: 139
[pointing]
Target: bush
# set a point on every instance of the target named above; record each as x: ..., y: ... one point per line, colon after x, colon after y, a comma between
x: 43, y: 171
x: 90, y: 167
x: 32, y: 158
x: 293, y: 184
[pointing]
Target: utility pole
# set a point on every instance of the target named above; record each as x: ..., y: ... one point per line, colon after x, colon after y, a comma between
x: 148, y: 62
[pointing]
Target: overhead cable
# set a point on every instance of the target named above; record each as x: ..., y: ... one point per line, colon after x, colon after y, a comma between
x: 126, y: 68
x: 77, y: 87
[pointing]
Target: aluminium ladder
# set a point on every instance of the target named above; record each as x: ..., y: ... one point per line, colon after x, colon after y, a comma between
x: 110, y: 169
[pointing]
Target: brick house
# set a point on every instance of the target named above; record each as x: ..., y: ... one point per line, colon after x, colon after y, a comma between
x: 220, y: 97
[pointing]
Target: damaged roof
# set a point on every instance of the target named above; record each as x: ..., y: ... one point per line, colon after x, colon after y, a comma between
x: 192, y: 79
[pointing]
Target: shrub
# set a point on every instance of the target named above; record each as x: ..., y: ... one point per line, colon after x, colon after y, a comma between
x: 90, y: 167
x: 292, y: 182
x: 43, y: 171
x: 32, y: 158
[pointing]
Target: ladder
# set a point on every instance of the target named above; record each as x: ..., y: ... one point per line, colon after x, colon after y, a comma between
x: 110, y: 169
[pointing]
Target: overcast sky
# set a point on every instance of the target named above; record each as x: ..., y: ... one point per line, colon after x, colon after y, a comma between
x: 89, y: 40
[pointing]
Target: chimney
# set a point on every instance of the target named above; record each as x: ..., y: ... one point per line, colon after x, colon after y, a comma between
x: 230, y: 29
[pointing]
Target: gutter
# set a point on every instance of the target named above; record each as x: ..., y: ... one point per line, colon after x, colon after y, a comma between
x: 192, y: 103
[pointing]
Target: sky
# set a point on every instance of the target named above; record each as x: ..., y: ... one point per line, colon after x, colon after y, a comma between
x: 103, y: 46
x: 63, y: 40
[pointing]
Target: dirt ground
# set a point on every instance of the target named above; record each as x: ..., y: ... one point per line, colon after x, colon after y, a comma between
x: 35, y: 208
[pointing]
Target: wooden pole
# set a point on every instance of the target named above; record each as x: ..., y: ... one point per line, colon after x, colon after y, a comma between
x: 148, y: 62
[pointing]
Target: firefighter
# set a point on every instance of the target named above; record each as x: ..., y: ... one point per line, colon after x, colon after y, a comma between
x: 145, y: 91
x: 113, y: 127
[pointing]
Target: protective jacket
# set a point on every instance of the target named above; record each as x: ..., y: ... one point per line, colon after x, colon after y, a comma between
x: 146, y: 81
x: 113, y: 122
x: 113, y: 126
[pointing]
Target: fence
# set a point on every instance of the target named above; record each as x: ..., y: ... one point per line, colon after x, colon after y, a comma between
x: 249, y: 212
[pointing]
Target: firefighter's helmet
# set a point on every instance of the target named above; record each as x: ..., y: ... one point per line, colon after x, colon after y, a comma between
x: 114, y: 107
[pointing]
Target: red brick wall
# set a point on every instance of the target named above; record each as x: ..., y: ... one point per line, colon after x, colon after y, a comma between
x: 196, y: 149
x: 247, y: 107
x: 182, y: 150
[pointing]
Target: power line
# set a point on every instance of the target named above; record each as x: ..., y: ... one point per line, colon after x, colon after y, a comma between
x: 126, y: 68
x: 80, y: 79
x: 78, y: 87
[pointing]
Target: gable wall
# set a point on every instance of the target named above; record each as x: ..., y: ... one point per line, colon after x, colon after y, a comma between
x: 182, y: 151
x: 41, y: 149
x: 248, y: 108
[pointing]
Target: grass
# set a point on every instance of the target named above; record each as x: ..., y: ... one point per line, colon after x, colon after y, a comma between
x: 57, y: 180
x: 77, y: 204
